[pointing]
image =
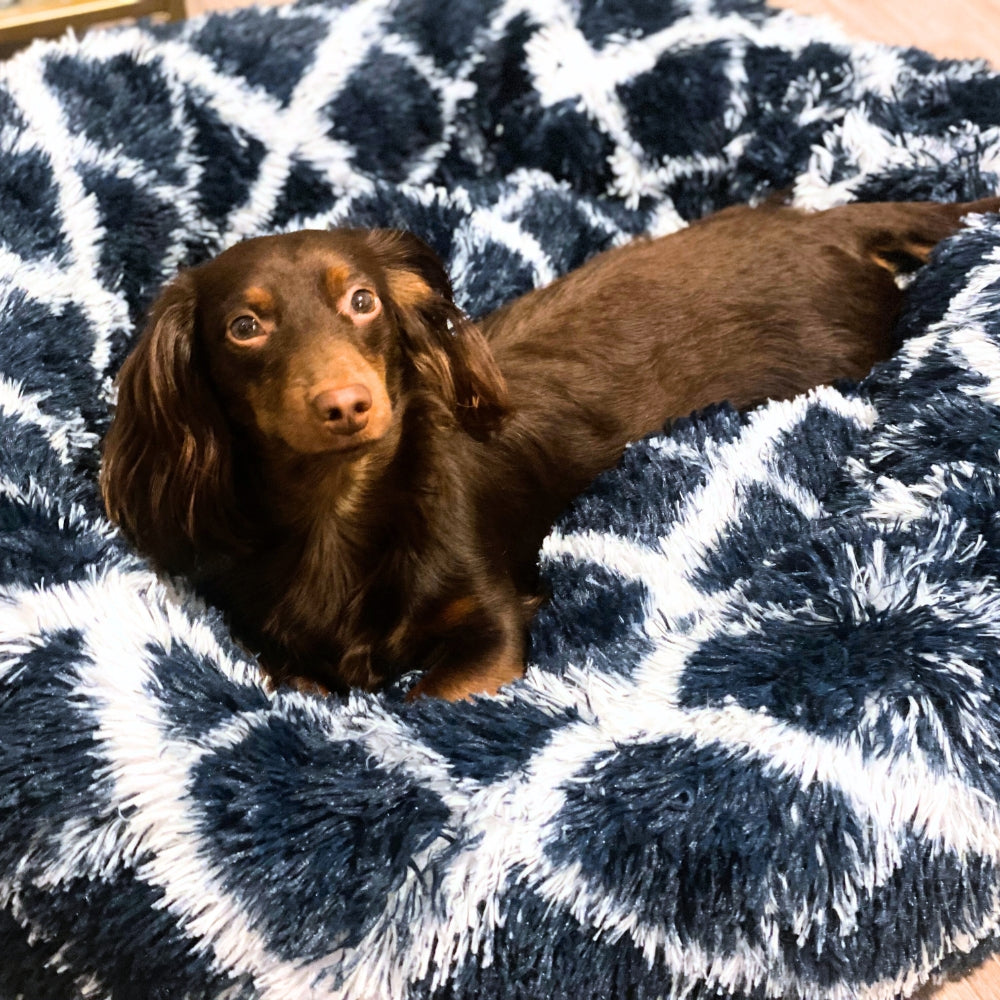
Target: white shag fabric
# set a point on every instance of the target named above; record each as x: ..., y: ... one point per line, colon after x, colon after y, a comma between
x: 756, y: 752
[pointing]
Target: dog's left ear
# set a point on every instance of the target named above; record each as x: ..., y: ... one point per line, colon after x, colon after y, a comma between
x: 449, y: 353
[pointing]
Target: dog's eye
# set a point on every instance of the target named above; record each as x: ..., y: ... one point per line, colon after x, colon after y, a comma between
x: 363, y: 301
x: 245, y: 328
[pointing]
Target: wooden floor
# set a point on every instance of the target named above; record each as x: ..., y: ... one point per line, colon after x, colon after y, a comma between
x: 961, y: 29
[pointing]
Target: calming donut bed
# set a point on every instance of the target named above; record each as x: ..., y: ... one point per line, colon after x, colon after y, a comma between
x: 756, y: 751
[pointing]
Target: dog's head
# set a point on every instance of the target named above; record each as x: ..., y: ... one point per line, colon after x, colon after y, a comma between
x: 312, y: 343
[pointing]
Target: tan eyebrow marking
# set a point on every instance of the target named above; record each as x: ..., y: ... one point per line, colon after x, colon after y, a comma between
x: 336, y: 278
x: 259, y: 299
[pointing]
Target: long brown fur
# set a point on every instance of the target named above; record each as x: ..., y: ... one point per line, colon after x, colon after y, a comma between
x: 312, y: 430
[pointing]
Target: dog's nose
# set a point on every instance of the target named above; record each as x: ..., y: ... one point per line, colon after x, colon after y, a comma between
x: 344, y: 410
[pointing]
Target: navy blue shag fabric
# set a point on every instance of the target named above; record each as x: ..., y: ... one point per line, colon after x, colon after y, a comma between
x: 756, y: 753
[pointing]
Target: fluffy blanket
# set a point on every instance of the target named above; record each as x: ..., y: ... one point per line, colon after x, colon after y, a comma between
x: 756, y: 752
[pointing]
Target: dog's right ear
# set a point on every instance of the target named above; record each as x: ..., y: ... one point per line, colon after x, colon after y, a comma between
x: 443, y: 344
x: 166, y: 473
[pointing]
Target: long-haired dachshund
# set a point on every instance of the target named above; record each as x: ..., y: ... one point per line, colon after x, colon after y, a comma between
x: 312, y: 430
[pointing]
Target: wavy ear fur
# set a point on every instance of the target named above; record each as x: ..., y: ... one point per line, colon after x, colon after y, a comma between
x: 450, y: 355
x: 166, y: 473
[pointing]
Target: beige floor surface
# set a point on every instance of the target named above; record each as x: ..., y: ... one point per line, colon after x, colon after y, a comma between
x: 952, y: 28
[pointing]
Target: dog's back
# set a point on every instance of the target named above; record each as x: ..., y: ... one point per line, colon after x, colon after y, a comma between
x: 747, y: 305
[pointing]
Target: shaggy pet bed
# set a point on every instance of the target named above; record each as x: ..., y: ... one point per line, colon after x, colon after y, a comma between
x: 756, y: 752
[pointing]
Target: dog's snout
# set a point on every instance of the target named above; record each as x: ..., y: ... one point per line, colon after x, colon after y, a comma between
x: 344, y: 410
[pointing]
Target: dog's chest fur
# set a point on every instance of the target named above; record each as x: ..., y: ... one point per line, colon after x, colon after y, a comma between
x: 359, y: 592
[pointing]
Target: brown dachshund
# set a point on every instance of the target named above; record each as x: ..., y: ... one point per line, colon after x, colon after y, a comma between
x: 311, y: 429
